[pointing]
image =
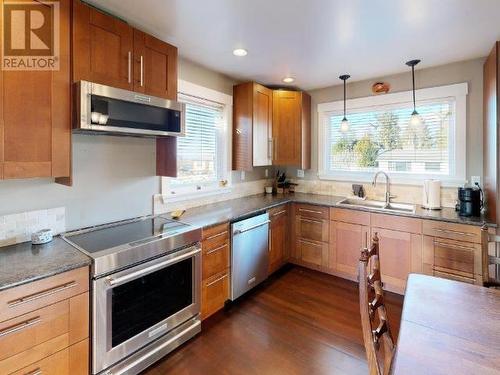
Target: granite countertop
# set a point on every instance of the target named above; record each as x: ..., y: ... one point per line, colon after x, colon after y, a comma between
x: 24, y: 262
x: 239, y: 208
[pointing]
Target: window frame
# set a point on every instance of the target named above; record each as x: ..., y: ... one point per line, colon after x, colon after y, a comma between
x: 457, y: 135
x: 172, y: 193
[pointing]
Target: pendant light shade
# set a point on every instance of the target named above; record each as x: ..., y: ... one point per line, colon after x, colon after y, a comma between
x: 344, y: 124
x: 415, y: 119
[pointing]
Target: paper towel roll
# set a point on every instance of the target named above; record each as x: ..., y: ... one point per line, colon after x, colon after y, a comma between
x: 432, y: 194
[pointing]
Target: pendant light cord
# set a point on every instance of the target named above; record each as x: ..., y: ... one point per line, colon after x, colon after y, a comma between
x: 344, y: 97
x: 413, y: 80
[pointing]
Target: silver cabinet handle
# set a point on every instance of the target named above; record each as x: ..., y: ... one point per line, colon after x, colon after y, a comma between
x: 129, y: 66
x: 279, y: 213
x: 216, y: 235
x: 310, y: 211
x: 270, y: 146
x: 134, y: 275
x: 311, y: 221
x: 451, y: 246
x: 42, y: 294
x: 142, y: 71
x: 309, y: 242
x: 240, y: 231
x: 216, y: 249
x: 217, y: 280
x: 20, y: 326
x: 37, y: 371
x: 454, y: 232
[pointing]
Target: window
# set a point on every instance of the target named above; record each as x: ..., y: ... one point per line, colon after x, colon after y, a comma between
x: 202, y: 154
x: 380, y: 137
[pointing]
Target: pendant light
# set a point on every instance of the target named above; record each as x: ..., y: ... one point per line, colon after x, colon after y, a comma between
x: 344, y: 124
x: 415, y: 119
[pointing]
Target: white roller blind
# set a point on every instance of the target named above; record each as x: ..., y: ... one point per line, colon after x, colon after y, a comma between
x: 197, y: 152
x: 382, y: 138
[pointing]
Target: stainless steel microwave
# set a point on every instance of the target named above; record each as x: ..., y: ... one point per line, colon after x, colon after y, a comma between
x: 105, y: 109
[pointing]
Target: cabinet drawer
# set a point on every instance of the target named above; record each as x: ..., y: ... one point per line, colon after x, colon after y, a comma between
x: 215, y: 292
x: 215, y: 260
x: 57, y: 363
x: 312, y: 229
x: 215, y: 236
x: 312, y: 211
x: 278, y: 211
x: 350, y: 216
x: 459, y: 232
x: 454, y: 258
x: 399, y: 223
x: 313, y: 252
x: 25, y: 298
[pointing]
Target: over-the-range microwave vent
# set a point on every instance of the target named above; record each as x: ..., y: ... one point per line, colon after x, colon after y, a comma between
x: 101, y: 109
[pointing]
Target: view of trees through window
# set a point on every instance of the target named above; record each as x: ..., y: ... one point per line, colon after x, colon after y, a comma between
x: 383, y: 138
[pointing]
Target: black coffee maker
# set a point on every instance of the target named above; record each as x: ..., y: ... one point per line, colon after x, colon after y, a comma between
x: 470, y: 201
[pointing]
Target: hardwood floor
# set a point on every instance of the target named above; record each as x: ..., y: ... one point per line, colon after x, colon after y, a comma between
x: 298, y: 322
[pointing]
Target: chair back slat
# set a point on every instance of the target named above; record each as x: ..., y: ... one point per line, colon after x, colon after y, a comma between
x: 377, y: 334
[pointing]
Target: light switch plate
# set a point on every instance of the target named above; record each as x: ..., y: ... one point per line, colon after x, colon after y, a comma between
x: 266, y: 173
x: 300, y: 173
x: 242, y: 175
x: 475, y: 179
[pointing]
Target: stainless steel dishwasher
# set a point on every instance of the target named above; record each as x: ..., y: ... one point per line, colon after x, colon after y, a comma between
x: 250, y: 256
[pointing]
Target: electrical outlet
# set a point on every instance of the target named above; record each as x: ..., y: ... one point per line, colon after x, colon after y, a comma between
x: 266, y: 173
x: 242, y: 175
x: 300, y: 173
x: 475, y: 180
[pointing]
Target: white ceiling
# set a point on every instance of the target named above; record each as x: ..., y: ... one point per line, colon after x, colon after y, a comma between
x: 317, y: 40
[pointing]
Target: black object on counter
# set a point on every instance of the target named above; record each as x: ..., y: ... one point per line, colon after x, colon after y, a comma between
x: 358, y: 190
x: 470, y: 201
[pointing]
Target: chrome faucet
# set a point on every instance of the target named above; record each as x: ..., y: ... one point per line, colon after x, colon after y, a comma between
x: 388, y: 195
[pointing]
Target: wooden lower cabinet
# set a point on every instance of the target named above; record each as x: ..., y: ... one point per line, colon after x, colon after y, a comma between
x: 278, y: 237
x: 215, y: 269
x: 313, y: 252
x: 400, y: 254
x: 346, y: 242
x: 49, y: 333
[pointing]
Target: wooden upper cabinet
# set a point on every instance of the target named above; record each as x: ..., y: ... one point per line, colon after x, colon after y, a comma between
x: 35, y: 127
x: 252, y: 126
x: 155, y: 66
x: 291, y: 132
x: 102, y: 48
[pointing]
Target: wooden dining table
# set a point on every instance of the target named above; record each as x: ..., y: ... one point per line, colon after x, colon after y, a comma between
x: 448, y: 327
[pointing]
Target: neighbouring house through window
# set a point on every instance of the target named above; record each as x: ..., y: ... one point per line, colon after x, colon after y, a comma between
x: 381, y: 137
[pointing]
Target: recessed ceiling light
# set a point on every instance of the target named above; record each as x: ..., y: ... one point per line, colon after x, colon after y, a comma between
x: 288, y: 79
x: 240, y: 52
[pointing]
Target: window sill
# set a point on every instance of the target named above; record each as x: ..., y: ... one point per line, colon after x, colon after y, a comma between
x: 184, y: 196
x: 395, y: 179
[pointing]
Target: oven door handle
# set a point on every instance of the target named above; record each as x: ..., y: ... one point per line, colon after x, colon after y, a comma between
x: 112, y: 281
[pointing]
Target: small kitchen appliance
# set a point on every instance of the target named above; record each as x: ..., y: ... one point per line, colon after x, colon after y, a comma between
x: 146, y: 278
x: 470, y: 201
x: 432, y: 195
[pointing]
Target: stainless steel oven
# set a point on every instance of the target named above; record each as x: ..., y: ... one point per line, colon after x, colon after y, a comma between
x: 105, y: 109
x: 139, y: 305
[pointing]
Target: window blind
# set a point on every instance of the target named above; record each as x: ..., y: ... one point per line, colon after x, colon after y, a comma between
x: 197, y: 151
x: 382, y: 138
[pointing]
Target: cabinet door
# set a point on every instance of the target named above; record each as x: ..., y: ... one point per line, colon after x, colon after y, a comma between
x: 35, y: 122
x: 400, y: 254
x: 278, y: 237
x: 102, y: 48
x: 262, y: 125
x: 346, y: 242
x: 313, y: 252
x: 214, y: 293
x: 287, y: 131
x: 155, y: 66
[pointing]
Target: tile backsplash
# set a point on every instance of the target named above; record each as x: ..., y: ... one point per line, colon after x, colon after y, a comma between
x: 16, y: 228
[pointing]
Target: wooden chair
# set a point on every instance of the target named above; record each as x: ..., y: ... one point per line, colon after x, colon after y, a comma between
x: 378, y: 341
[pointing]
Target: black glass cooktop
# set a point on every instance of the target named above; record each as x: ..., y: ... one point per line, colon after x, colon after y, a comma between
x: 99, y: 239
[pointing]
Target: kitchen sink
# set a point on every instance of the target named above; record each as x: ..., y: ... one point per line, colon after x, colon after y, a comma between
x: 378, y: 205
